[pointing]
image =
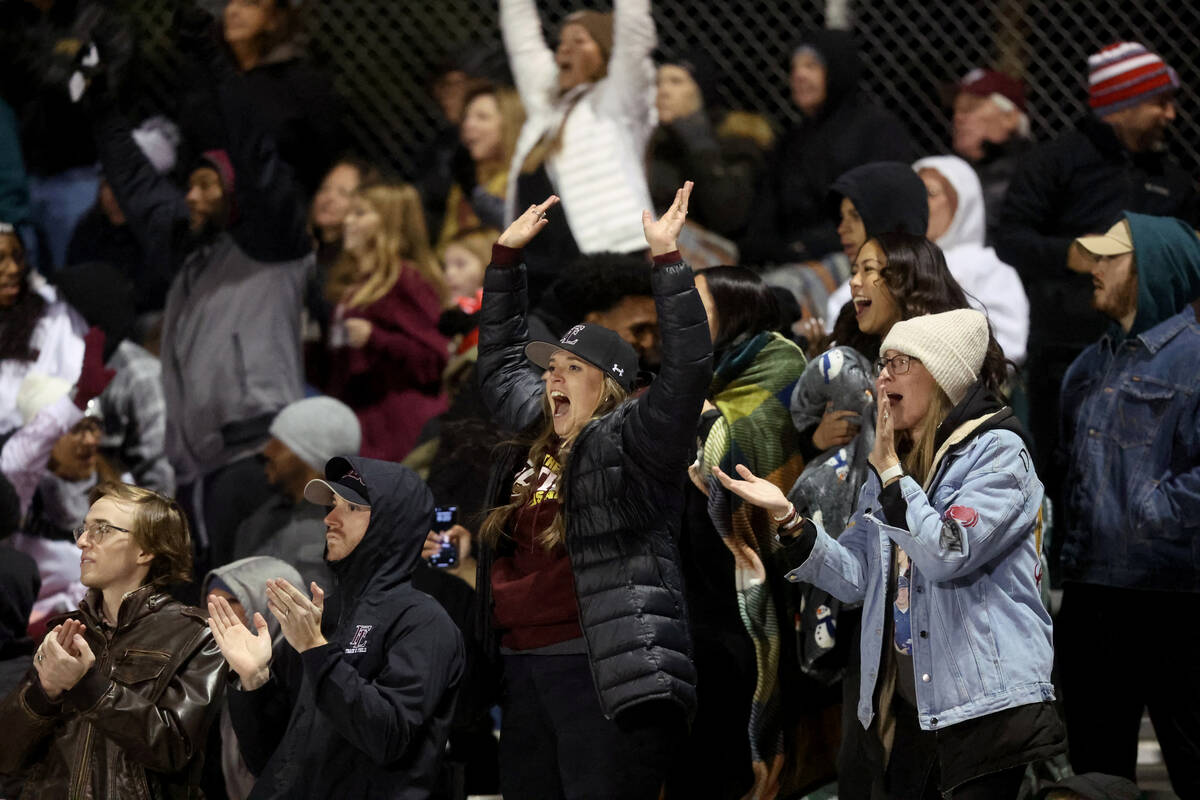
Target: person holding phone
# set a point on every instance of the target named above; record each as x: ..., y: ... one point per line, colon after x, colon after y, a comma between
x: 581, y: 592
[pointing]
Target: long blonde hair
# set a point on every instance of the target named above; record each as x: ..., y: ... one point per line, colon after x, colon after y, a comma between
x: 512, y: 116
x: 496, y: 523
x: 919, y: 444
x: 402, y: 241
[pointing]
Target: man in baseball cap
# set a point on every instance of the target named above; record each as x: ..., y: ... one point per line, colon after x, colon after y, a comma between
x: 1129, y: 514
x: 379, y: 678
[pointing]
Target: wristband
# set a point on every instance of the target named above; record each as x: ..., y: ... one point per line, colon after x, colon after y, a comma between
x: 894, y: 471
x: 791, y: 509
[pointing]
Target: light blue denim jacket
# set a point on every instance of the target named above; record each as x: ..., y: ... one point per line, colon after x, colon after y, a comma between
x: 981, y: 636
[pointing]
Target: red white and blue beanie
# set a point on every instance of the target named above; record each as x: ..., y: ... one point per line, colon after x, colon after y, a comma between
x: 1125, y: 74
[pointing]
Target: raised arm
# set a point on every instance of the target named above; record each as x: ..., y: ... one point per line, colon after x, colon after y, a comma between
x: 511, y: 386
x: 154, y: 206
x: 630, y: 83
x: 659, y: 431
x: 272, y: 220
x: 529, y: 57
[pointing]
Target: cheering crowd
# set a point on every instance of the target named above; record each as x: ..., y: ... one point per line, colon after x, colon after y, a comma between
x: 629, y: 448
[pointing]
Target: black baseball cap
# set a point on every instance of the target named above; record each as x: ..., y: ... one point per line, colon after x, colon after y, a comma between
x: 342, y: 479
x: 595, y: 344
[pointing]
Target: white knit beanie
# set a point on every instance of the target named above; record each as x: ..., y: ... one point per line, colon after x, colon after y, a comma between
x: 951, y: 345
x: 318, y: 428
x: 38, y: 391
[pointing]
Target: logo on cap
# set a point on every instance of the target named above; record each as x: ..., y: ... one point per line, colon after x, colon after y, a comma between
x: 572, y: 336
x: 618, y: 370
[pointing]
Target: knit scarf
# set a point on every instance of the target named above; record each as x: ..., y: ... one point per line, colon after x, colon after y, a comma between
x: 752, y: 388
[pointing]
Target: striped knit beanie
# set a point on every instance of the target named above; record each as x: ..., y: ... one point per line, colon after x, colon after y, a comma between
x: 1125, y: 74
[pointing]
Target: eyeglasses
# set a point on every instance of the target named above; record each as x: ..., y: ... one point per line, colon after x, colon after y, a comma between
x: 96, y: 531
x: 896, y: 365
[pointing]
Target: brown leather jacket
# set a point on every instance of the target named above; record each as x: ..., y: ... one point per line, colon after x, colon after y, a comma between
x: 135, y: 726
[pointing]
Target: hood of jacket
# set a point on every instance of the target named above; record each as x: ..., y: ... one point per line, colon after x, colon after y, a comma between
x: 888, y: 195
x: 1167, y: 256
x: 843, y: 67
x: 969, y: 224
x: 401, y: 517
x: 246, y: 579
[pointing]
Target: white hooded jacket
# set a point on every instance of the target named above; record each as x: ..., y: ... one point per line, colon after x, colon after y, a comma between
x: 992, y: 286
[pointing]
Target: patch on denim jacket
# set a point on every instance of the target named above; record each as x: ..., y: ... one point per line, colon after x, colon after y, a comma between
x: 964, y: 515
x: 952, y: 536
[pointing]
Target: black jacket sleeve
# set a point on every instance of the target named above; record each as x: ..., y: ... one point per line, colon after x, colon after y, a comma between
x: 154, y: 207
x: 660, y: 430
x: 1025, y: 234
x: 260, y: 717
x: 272, y: 222
x: 511, y: 388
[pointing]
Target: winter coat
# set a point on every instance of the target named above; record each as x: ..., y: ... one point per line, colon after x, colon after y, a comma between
x: 623, y: 487
x: 1078, y: 184
x: 790, y: 222
x: 135, y: 725
x: 40, y: 50
x: 599, y: 171
x: 725, y: 168
x: 58, y: 340
x: 394, y: 381
x: 366, y: 715
x: 294, y: 104
x: 231, y: 329
x: 992, y: 286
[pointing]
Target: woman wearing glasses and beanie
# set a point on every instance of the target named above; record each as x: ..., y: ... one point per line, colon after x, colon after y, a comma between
x: 943, y: 554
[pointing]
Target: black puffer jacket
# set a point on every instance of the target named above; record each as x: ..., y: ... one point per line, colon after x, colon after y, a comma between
x: 622, y: 487
x: 366, y: 715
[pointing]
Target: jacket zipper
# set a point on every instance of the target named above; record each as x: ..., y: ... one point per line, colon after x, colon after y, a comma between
x: 84, y: 764
x: 562, y: 479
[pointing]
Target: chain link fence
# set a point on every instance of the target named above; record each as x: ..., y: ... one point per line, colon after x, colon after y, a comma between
x: 382, y: 55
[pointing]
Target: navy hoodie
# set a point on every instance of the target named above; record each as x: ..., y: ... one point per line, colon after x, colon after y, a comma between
x: 367, y: 715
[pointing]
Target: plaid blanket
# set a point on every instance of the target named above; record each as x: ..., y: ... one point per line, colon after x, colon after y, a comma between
x: 752, y: 388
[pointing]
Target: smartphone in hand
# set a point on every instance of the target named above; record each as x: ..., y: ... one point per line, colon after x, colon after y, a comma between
x: 444, y: 518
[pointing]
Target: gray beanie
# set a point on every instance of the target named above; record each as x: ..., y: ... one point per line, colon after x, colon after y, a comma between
x: 318, y: 428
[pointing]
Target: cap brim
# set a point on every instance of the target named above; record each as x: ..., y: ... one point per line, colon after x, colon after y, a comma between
x: 1104, y: 245
x: 320, y: 492
x: 540, y: 352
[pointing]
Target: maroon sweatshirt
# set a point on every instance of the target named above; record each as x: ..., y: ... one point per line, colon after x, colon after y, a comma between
x: 394, y: 381
x: 533, y: 590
